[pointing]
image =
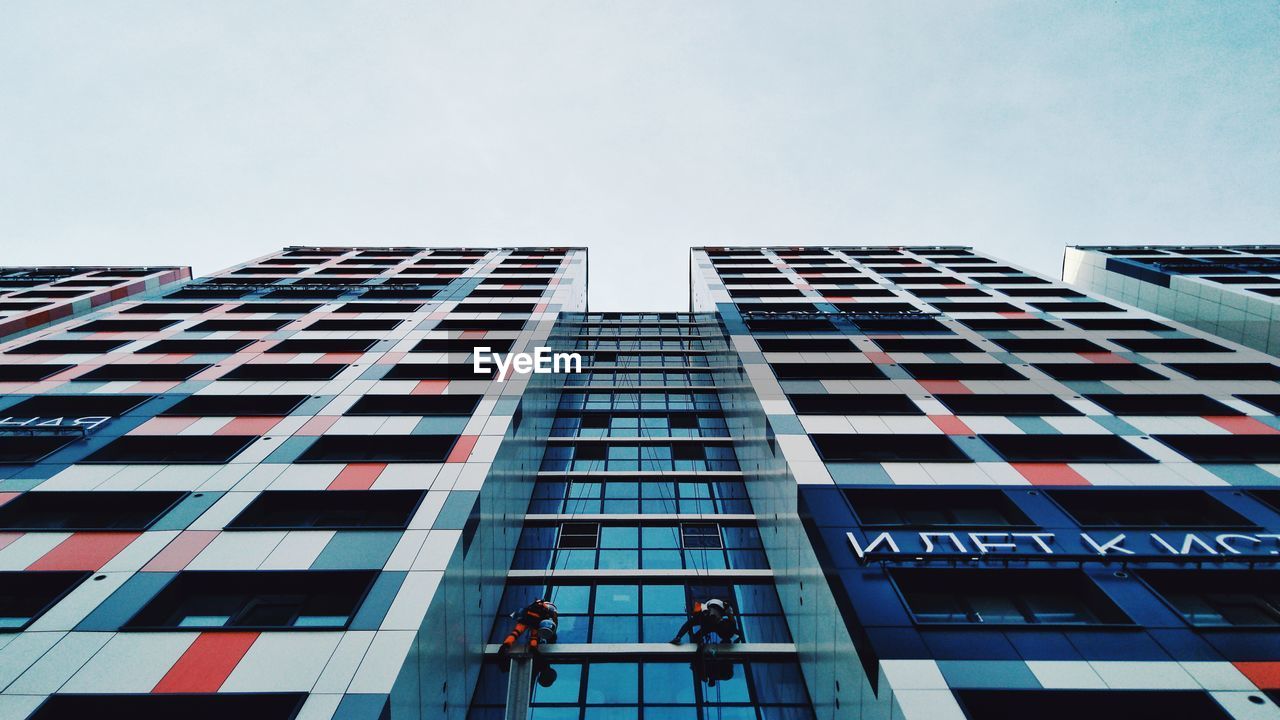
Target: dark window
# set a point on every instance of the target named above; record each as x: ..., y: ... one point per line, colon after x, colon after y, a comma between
x: 462, y: 345
x: 1084, y: 371
x: 420, y: 293
x: 1005, y: 597
x: 814, y: 345
x: 950, y: 292
x: 24, y: 449
x: 74, y: 406
x: 896, y: 325
x: 797, y: 325
x: 414, y: 405
x: 274, y: 307
x: 329, y: 510
x: 379, y: 448
x: 1007, y: 324
x: 1065, y: 448
x: 67, y: 347
x: 438, y: 371
x: 888, y: 448
x: 20, y: 306
x: 926, y: 345
x: 1008, y: 405
x: 926, y: 507
x: 1116, y: 324
x: 478, y: 307
x: 285, y: 371
x: 1270, y: 403
x: 854, y: 404
x: 321, y: 346
x: 25, y: 596
x: 164, y: 372
x: 1078, y: 306
x: 1230, y: 449
x: 701, y: 536
x: 379, y: 307
x: 1170, y: 345
x: 459, y: 324
x: 1041, y: 292
x: 124, y: 325
x: 196, y: 347
x: 298, y: 599
x: 1094, y: 704
x: 1157, y: 405
x: 987, y: 306
x: 86, y: 511
x: 961, y: 371
x: 234, y: 405
x: 826, y: 371
x: 580, y: 536
x: 158, y: 308
x: 1049, y: 345
x: 28, y: 373
x: 240, y: 324
x: 171, y: 449
x: 876, y: 308
x: 1146, y: 508
x: 1221, y: 598
x: 1228, y: 371
x: 353, y: 325
x: 1007, y: 279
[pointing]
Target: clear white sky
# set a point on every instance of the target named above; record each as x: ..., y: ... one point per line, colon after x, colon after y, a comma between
x: 204, y: 133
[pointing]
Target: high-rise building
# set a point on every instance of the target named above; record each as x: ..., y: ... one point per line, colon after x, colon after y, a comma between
x: 1230, y: 291
x: 929, y: 484
x: 34, y: 297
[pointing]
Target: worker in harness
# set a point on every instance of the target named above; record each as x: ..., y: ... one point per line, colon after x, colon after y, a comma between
x: 713, y: 616
x: 545, y: 634
x: 530, y: 619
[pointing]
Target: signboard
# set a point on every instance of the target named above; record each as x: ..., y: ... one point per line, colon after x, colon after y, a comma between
x: 1150, y: 545
x: 85, y: 424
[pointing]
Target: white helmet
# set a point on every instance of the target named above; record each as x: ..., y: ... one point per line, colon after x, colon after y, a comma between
x: 717, y: 604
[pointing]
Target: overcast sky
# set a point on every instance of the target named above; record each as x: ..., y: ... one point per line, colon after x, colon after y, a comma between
x: 205, y: 133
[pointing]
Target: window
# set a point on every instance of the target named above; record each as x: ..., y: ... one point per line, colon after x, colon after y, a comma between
x: 853, y: 404
x: 240, y: 324
x: 1228, y: 371
x: 926, y: 345
x: 329, y: 510
x: 1007, y: 405
x: 1049, y: 345
x: 579, y: 535
x: 23, y: 450
x: 460, y: 324
x: 74, y: 406
x: 896, y: 325
x: 1085, y: 371
x: 249, y: 600
x: 638, y: 456
x: 234, y: 405
x: 700, y: 536
x: 1170, y: 345
x: 29, y: 373
x: 1117, y: 324
x: 967, y: 307
x: 378, y: 448
x: 1147, y: 508
x: 798, y: 325
x: 285, y: 371
x: 25, y: 596
x: 414, y: 405
x: 1005, y: 596
x: 826, y: 371
x: 171, y: 449
x: 196, y: 347
x: 649, y: 495
x: 888, y: 448
x: 166, y: 372
x: 1065, y: 449
x: 67, y: 347
x: 378, y: 325
x: 961, y: 371
x: 1098, y: 704
x: 124, y: 325
x: 461, y: 345
x: 1041, y: 292
x: 401, y: 308
x: 1007, y: 324
x: 86, y: 511
x: 438, y: 371
x: 1220, y: 598
x: 1162, y: 405
x: 950, y: 292
x: 164, y: 308
x: 1227, y: 449
x: 321, y: 346
x: 1075, y: 306
x: 806, y: 345
x: 1269, y: 403
x: 935, y: 508
x: 282, y: 308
